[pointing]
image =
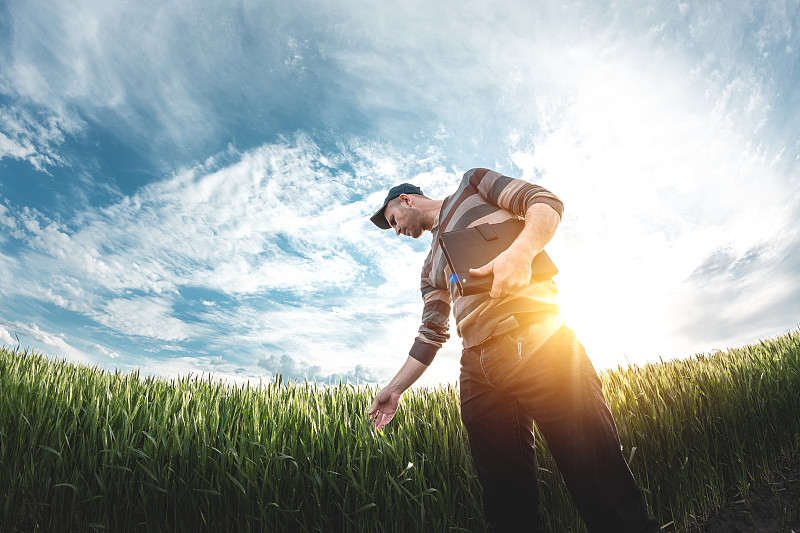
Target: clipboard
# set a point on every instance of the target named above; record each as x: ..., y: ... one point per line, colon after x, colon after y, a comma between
x: 476, y: 246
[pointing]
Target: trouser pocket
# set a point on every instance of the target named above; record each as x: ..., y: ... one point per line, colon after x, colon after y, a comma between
x: 500, y: 357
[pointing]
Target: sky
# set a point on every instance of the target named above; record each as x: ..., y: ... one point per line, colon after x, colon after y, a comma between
x: 185, y: 186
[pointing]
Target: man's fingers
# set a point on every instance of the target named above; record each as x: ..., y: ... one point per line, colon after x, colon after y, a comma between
x: 379, y: 420
x: 382, y: 420
x: 495, y: 292
x: 374, y: 409
x: 383, y: 409
x: 375, y: 412
x: 374, y: 415
x: 482, y: 271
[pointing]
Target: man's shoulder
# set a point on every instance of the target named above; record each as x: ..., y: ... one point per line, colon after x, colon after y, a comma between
x: 483, y: 177
x: 477, y: 173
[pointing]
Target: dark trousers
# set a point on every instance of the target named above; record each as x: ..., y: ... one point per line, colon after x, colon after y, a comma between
x: 507, y: 383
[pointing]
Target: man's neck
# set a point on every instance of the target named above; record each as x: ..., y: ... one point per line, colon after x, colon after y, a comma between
x: 432, y: 210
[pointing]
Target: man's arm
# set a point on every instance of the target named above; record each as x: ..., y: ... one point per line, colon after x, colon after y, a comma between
x: 387, y: 400
x: 512, y: 268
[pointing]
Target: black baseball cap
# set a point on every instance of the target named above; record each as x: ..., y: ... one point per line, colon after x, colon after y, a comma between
x: 404, y: 188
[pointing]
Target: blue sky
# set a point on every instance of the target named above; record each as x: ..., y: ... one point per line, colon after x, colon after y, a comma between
x: 185, y: 186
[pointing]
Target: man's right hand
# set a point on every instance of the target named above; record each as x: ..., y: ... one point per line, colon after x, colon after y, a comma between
x: 386, y: 401
x: 384, y: 407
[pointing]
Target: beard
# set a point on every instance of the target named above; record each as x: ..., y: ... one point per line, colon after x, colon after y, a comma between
x: 415, y: 225
x: 416, y: 233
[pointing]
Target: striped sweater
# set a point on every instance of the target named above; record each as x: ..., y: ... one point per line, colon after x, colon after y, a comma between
x: 483, y: 196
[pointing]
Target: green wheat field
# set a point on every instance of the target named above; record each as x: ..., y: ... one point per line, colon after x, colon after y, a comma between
x: 84, y: 449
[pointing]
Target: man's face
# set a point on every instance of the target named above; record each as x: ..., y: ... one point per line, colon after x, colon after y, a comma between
x: 404, y: 218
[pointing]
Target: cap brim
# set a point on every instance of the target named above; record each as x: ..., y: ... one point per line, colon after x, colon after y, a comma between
x: 379, y: 219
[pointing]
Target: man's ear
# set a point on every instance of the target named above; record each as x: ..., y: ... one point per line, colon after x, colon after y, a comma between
x: 406, y: 199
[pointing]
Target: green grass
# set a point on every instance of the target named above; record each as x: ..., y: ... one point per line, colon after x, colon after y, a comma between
x: 84, y: 449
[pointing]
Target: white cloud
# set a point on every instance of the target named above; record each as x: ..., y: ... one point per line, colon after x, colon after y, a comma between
x: 145, y: 317
x: 291, y: 369
x: 34, y: 139
x: 11, y: 148
x: 5, y: 338
x: 56, y: 343
x: 57, y: 340
x: 294, y: 56
x: 10, y: 224
x: 267, y: 222
x: 215, y: 368
x: 104, y: 351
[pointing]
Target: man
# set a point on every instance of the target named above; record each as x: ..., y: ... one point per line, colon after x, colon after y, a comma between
x: 520, y: 363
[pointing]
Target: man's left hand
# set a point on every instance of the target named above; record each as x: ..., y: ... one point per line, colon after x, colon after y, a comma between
x: 511, y: 269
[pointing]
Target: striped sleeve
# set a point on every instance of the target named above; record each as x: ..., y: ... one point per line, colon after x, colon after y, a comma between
x: 435, y: 314
x: 512, y: 194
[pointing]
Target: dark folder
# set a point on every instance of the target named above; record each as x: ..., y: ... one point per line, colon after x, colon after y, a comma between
x: 476, y: 246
